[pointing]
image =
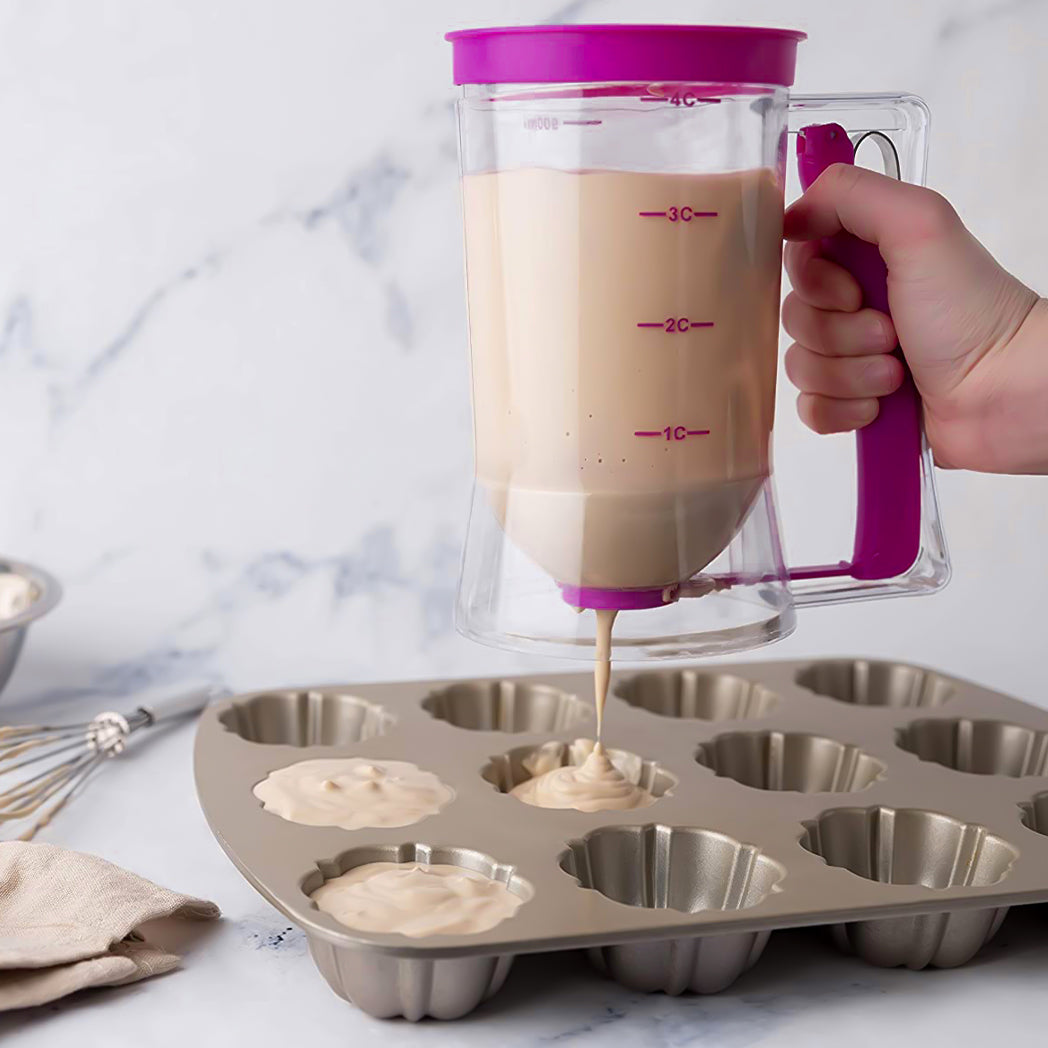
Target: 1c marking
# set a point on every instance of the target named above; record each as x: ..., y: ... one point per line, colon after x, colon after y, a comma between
x: 672, y: 432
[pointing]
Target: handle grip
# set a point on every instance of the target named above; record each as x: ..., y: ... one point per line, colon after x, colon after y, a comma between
x: 889, y: 449
x: 182, y: 705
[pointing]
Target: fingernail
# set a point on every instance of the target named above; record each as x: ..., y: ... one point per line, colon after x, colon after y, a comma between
x: 876, y: 332
x: 865, y: 411
x: 883, y: 373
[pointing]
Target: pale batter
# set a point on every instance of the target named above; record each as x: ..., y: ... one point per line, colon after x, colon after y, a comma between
x: 416, y: 899
x: 352, y: 793
x: 593, y: 780
x: 623, y: 366
x: 16, y: 594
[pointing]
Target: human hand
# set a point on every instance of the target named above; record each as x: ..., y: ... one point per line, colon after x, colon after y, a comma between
x: 975, y: 338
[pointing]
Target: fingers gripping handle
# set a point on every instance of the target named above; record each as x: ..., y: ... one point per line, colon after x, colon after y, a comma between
x: 888, y: 516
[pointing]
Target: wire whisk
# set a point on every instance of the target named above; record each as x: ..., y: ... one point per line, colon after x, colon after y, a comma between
x: 43, y: 767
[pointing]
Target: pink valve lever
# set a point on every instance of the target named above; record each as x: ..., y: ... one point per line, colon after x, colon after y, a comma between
x: 888, y: 517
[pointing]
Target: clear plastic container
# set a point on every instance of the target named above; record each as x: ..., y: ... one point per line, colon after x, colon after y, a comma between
x: 623, y: 241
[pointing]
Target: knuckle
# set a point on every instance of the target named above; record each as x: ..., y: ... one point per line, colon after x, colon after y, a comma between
x: 934, y: 217
x: 842, y: 178
x: 792, y: 363
x: 812, y: 413
x: 792, y: 306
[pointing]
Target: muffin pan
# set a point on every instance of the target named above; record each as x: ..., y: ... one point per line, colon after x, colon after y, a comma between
x: 905, y: 808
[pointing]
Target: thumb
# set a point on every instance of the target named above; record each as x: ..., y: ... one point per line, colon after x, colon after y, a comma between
x: 872, y: 206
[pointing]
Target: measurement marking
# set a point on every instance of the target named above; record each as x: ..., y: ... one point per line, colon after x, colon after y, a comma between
x: 672, y: 433
x: 581, y: 123
x: 678, y: 214
x: 652, y: 98
x: 675, y: 325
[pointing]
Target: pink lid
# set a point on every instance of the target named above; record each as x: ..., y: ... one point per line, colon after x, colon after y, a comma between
x: 574, y: 54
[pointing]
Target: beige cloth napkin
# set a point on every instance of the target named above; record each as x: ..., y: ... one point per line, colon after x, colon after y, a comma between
x: 68, y: 920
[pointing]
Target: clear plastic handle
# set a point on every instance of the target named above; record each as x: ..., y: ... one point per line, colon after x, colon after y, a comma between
x: 899, y: 546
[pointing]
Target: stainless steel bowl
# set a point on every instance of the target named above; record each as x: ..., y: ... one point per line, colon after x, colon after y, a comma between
x: 44, y: 594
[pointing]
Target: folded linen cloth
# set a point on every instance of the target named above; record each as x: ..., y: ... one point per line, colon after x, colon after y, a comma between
x: 68, y: 920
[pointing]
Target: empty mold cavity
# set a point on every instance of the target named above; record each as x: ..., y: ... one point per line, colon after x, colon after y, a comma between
x: 306, y: 718
x: 1035, y: 813
x: 981, y: 747
x: 507, y: 770
x: 506, y: 705
x: 775, y: 760
x: 863, y: 682
x: 676, y: 868
x: 671, y: 867
x: 698, y: 695
x: 909, y: 846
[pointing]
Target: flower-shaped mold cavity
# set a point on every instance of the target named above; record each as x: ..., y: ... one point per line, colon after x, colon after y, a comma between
x: 980, y: 747
x: 412, y: 987
x: 306, y: 718
x: 1035, y: 813
x: 697, y: 694
x: 910, y: 846
x: 865, y: 682
x: 775, y: 760
x: 679, y: 868
x: 509, y: 706
x: 507, y: 770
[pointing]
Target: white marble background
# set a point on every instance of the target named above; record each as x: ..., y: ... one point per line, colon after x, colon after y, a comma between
x: 234, y: 405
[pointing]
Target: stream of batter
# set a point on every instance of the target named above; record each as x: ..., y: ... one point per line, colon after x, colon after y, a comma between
x: 602, y: 663
x: 584, y: 776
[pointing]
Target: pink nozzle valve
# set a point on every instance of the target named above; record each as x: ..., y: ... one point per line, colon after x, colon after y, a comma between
x: 593, y: 598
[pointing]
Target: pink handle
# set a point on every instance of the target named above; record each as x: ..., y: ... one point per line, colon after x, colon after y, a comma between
x: 888, y: 517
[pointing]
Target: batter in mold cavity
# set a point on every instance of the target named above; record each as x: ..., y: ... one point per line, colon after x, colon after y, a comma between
x: 353, y: 793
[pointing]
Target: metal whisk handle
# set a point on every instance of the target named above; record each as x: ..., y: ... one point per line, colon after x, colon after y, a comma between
x: 180, y: 705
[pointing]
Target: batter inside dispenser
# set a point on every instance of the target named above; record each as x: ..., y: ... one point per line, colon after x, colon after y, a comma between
x: 353, y: 793
x: 416, y: 899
